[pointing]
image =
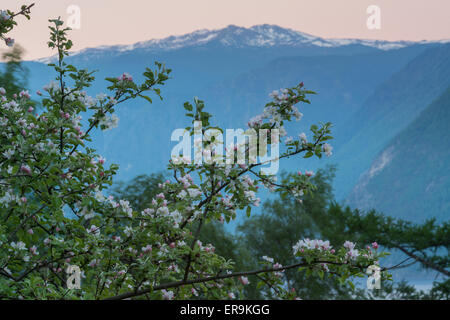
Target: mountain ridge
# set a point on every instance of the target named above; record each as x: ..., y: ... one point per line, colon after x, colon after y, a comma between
x: 264, y: 35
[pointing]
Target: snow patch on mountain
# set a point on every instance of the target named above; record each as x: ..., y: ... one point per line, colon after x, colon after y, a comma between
x: 233, y: 36
x: 382, y: 161
x: 360, y: 196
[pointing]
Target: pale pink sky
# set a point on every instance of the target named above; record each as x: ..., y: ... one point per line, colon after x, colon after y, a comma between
x: 106, y: 22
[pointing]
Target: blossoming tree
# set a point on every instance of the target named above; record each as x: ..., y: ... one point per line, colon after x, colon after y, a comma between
x: 55, y: 215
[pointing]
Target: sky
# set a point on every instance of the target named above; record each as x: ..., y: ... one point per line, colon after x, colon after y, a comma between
x: 109, y: 22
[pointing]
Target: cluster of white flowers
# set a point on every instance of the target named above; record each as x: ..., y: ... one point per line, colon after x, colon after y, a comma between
x: 12, y: 105
x: 163, y: 211
x: 194, y: 192
x: 109, y: 122
x: 94, y: 263
x: 8, y: 153
x: 180, y: 159
x: 327, y: 149
x: 297, y: 192
x: 8, y: 198
x: 148, y: 248
x: 125, y: 77
x: 352, y: 252
x: 86, y: 213
x: 303, y: 138
x: 52, y: 87
x: 279, y: 96
x: 251, y: 197
x: 227, y: 201
x: 71, y: 95
x: 268, y: 259
x: 315, y: 244
x: 272, y: 112
x: 101, y: 97
x: 34, y: 251
x: 125, y: 206
x: 282, y: 96
x: 277, y: 265
x: 288, y: 140
x: 186, y: 180
x: 4, y: 15
x: 18, y: 245
x: 247, y: 184
x: 244, y: 280
x: 94, y: 230
x: 167, y: 294
x: 255, y: 121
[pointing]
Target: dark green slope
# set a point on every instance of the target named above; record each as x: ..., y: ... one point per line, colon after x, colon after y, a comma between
x: 411, y: 177
x: 388, y: 110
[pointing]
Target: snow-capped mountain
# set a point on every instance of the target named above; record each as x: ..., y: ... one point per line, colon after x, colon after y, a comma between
x: 259, y: 36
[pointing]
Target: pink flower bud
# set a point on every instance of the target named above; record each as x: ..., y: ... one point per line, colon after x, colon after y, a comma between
x: 309, y: 173
x: 25, y: 169
x: 9, y: 42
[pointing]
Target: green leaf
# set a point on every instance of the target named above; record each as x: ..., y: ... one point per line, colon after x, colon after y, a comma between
x: 146, y: 98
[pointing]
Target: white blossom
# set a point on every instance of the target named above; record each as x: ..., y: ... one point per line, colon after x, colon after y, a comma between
x: 167, y: 294
x: 18, y: 245
x: 327, y: 149
x: 109, y: 122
